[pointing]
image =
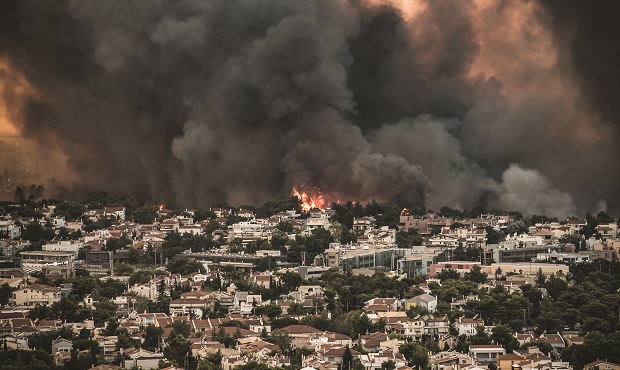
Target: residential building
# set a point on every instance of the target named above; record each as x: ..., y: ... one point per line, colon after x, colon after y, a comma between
x: 69, y: 246
x: 467, y: 326
x: 486, y: 353
x: 35, y: 294
x: 601, y: 365
x: 425, y: 301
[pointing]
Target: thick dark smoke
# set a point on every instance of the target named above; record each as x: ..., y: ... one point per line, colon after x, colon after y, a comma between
x: 198, y: 102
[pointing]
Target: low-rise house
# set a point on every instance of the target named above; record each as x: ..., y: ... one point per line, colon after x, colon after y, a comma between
x: 154, y: 318
x: 467, y: 326
x: 149, y: 290
x: 186, y: 305
x: 203, y: 348
x: 381, y: 305
x: 258, y: 325
x: 47, y: 325
x: 333, y: 353
x: 169, y: 226
x: 265, y: 280
x: 61, y: 345
x: 607, y: 231
x: 115, y: 212
x: 70, y: 246
x: 142, y: 358
x: 601, y: 365
x: 372, y: 342
x: 426, y: 301
x: 413, y: 328
x: 555, y: 340
x: 35, y: 294
x: 533, y: 359
x: 434, y: 325
x: 574, y: 339
x: 301, y: 331
x: 373, y: 361
x: 486, y: 353
x: 509, y: 361
x: 450, y: 360
x: 190, y: 229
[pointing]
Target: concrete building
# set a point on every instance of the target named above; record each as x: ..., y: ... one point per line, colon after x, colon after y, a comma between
x: 426, y: 301
x: 526, y: 269
x: 56, y: 263
x: 35, y: 294
x: 462, y: 267
x: 486, y: 353
x: 69, y: 246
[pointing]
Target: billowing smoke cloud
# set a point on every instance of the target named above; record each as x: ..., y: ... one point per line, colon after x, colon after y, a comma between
x: 200, y: 102
x: 530, y: 192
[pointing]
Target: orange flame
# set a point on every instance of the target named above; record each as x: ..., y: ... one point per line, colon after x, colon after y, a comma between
x: 310, y: 199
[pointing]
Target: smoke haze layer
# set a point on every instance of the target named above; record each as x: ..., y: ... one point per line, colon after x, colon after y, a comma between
x: 429, y: 102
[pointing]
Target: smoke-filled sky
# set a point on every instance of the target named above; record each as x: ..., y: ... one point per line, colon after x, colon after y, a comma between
x: 511, y: 104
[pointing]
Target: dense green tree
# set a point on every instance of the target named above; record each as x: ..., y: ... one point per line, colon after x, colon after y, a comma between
x: 201, y: 215
x: 282, y: 339
x: 123, y: 269
x: 447, y: 274
x: 285, y: 227
x: 283, y: 322
x: 494, y: 236
x: 347, y: 358
x: 481, y: 336
x: 212, y: 361
x: 6, y: 292
x: 415, y: 354
x: 178, y: 349
x: 144, y: 215
x: 103, y: 311
x: 388, y: 365
x: 408, y: 239
x: 152, y: 337
x: 502, y: 335
x: 476, y: 275
x: 70, y: 211
x: 184, y: 265
x: 118, y: 243
x: 312, y: 245
x: 272, y: 311
x: 181, y: 327
x: 34, y: 232
x: 141, y: 277
x: 123, y: 340
x: 253, y: 365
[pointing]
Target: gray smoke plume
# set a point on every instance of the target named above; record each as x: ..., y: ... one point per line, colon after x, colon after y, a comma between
x: 198, y: 102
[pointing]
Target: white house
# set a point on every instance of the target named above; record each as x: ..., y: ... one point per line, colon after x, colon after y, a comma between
x: 426, y: 301
x: 467, y: 326
x: 71, y: 246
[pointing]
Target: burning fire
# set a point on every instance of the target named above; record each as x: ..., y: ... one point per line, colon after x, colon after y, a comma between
x: 310, y: 199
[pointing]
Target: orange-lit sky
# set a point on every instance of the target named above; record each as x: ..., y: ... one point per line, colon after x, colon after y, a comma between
x: 6, y: 128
